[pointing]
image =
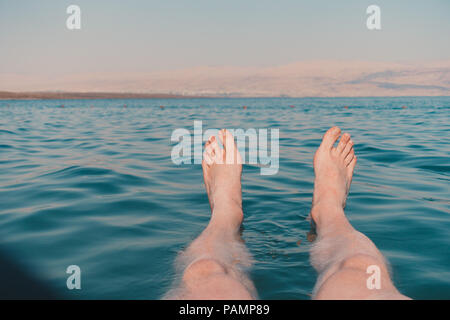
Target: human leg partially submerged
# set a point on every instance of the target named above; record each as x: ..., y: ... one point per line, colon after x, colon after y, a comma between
x: 341, y: 255
x: 213, y: 266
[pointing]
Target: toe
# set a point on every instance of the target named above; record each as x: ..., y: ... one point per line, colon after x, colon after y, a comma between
x: 343, y: 142
x: 347, y: 149
x: 210, y: 149
x: 207, y: 158
x: 330, y: 137
x: 352, y: 164
x: 217, y: 152
x: 349, y: 157
x: 215, y: 145
x: 209, y: 141
x: 227, y: 140
x: 208, y: 154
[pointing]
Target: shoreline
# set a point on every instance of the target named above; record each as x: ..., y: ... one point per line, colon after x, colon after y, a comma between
x: 44, y: 95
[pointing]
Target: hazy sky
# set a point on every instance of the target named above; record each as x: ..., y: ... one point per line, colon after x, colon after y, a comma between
x: 145, y: 35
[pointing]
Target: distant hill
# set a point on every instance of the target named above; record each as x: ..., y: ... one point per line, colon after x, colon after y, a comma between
x: 315, y: 78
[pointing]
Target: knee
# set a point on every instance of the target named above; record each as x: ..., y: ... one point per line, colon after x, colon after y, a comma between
x: 362, y: 262
x: 203, y: 268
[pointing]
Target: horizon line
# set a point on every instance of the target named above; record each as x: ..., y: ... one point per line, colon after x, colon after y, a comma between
x: 104, y: 95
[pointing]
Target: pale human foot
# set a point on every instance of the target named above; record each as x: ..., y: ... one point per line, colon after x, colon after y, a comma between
x: 333, y: 169
x: 222, y: 169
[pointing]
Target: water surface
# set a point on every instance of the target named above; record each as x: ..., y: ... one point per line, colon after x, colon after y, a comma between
x: 93, y: 184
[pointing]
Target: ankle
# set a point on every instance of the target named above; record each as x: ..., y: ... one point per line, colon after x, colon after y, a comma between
x: 228, y: 215
x: 325, y: 212
x: 229, y: 197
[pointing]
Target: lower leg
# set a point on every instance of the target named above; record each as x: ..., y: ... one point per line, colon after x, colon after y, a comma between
x: 341, y: 255
x: 214, y: 263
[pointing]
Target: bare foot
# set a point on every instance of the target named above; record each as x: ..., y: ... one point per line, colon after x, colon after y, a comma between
x: 333, y: 169
x: 222, y: 169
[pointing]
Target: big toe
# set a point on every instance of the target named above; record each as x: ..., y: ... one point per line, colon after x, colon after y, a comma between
x: 330, y: 137
x: 231, y: 153
x: 227, y: 139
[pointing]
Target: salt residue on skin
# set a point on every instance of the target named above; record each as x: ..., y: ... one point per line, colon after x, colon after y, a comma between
x: 327, y: 252
x: 232, y: 255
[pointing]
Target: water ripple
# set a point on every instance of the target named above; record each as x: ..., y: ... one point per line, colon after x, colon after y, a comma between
x: 95, y: 186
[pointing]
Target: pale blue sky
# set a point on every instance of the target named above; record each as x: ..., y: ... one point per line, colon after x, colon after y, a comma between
x: 145, y: 35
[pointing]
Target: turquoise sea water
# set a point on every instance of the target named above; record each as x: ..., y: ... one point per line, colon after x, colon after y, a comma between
x: 93, y: 184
